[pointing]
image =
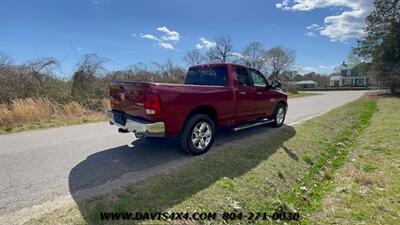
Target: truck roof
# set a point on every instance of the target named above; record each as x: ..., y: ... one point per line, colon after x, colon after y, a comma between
x: 219, y: 64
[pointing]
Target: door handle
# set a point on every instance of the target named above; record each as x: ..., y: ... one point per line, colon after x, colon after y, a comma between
x: 259, y: 93
x: 242, y: 93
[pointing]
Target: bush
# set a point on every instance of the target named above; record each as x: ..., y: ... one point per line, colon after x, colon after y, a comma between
x: 34, y: 84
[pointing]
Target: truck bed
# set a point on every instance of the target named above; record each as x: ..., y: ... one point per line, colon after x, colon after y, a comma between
x: 177, y: 100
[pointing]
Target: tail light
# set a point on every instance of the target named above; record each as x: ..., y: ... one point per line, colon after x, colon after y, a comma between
x: 152, y: 104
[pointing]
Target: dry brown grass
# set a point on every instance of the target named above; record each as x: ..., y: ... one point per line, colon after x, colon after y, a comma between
x: 105, y: 104
x: 31, y: 110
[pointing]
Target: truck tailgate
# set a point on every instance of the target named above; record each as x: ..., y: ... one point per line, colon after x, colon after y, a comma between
x: 129, y: 97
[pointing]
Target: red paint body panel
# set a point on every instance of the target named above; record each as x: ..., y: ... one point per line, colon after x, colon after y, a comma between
x: 178, y: 101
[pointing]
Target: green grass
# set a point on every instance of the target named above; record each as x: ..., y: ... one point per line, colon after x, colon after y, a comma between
x: 256, y: 174
x: 38, y: 125
x: 301, y: 94
x: 306, y: 195
x: 370, y: 181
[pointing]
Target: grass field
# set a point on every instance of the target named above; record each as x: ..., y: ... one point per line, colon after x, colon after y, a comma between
x: 366, y: 189
x: 288, y: 170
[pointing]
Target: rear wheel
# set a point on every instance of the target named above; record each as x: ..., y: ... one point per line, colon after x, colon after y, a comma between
x: 279, y: 115
x: 198, y: 135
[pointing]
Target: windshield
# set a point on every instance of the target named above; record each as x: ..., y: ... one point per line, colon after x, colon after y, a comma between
x: 217, y: 75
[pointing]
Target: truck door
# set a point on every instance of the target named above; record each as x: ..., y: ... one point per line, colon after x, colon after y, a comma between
x: 244, y: 95
x: 262, y: 94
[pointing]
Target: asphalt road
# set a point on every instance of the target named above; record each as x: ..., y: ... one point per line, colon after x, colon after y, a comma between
x: 40, y: 166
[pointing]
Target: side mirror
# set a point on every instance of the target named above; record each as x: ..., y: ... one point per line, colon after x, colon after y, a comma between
x: 276, y: 84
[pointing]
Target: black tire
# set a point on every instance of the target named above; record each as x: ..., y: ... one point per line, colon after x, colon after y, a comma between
x: 186, y: 136
x: 279, y: 122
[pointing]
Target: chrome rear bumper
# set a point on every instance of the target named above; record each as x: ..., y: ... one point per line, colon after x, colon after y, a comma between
x: 139, y: 126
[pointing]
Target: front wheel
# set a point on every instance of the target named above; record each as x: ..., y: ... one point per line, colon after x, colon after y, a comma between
x: 198, y: 135
x: 279, y: 115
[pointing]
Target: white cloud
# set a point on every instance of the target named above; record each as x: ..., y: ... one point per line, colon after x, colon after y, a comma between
x: 327, y: 67
x: 149, y: 36
x: 310, y: 34
x: 348, y: 24
x: 199, y: 46
x: 169, y: 34
x: 283, y: 5
x: 304, y: 69
x: 237, y: 55
x: 166, y: 45
x: 313, y: 26
x: 205, y: 44
x: 166, y: 41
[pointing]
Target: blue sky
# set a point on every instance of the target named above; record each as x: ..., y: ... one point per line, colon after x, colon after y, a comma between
x: 321, y: 32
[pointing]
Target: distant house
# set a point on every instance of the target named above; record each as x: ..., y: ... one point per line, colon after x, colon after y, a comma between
x: 304, y: 84
x: 351, y: 77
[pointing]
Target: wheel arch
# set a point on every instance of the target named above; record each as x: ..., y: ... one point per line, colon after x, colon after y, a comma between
x: 283, y: 103
x: 203, y: 109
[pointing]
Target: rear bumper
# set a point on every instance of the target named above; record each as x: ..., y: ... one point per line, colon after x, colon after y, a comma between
x: 139, y: 126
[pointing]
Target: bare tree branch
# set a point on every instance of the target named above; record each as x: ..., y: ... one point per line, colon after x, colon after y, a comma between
x: 254, y: 56
x: 193, y: 58
x: 279, y: 59
x: 222, y: 51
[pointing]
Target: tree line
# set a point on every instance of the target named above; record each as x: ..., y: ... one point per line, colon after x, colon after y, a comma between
x: 272, y: 62
x: 379, y: 49
x: 89, y: 82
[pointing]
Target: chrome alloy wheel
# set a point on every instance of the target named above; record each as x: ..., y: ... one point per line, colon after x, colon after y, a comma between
x: 280, y: 115
x: 201, y: 135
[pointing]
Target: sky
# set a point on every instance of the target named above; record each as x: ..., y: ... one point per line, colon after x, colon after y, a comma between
x: 126, y: 32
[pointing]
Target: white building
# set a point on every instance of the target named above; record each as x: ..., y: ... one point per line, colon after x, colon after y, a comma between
x: 351, y: 77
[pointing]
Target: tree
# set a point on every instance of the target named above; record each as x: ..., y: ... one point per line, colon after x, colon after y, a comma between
x: 279, y: 59
x: 193, y: 57
x: 87, y: 85
x: 381, y: 44
x: 170, y: 73
x: 5, y: 60
x: 254, y: 56
x: 36, y: 74
x: 222, y: 51
x: 290, y: 75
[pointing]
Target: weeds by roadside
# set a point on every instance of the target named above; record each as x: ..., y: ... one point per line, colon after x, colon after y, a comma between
x: 36, y: 113
x: 306, y: 195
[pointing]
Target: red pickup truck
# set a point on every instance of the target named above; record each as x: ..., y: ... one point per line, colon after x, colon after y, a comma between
x: 213, y: 96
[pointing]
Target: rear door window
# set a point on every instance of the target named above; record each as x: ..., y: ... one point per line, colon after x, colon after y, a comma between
x: 217, y: 76
x: 243, y: 77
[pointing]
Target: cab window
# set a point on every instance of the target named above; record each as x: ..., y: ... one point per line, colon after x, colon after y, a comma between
x: 216, y: 75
